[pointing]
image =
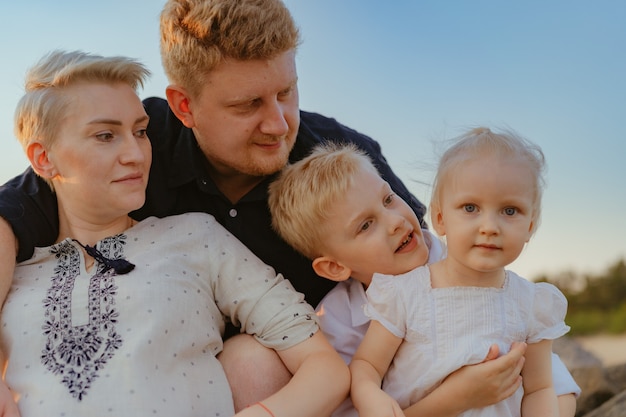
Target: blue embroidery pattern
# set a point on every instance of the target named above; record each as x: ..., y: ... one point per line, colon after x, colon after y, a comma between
x: 78, y: 353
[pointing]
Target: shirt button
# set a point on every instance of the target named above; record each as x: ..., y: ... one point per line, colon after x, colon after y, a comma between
x: 232, y: 212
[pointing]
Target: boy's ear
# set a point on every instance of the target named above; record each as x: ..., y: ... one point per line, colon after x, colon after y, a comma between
x: 178, y: 99
x: 331, y: 269
x: 39, y: 159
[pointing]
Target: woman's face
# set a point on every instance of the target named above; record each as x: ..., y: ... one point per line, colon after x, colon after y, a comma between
x: 101, y: 156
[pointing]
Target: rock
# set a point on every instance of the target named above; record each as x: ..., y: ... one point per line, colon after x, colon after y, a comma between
x: 574, y: 355
x: 616, y: 375
x: 602, y: 388
x: 615, y: 407
x: 596, y: 388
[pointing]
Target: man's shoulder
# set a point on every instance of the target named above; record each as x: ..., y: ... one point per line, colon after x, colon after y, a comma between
x: 164, y: 127
x: 316, y: 128
x: 325, y: 128
x: 155, y: 105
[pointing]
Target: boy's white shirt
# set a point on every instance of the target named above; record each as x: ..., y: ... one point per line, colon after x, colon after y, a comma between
x: 344, y: 323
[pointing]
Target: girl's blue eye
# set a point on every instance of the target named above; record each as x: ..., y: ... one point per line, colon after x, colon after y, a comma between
x: 469, y: 208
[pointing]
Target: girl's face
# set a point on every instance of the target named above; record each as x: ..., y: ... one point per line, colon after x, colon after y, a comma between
x: 101, y: 157
x: 486, y: 214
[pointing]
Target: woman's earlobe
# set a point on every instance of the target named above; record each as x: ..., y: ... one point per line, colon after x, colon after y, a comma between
x: 39, y: 159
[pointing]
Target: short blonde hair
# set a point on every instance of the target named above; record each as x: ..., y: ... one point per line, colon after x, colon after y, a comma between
x: 302, y: 195
x: 197, y: 35
x: 480, y: 141
x: 41, y: 111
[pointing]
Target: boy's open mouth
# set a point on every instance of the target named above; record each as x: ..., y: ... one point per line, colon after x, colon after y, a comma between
x: 406, y: 242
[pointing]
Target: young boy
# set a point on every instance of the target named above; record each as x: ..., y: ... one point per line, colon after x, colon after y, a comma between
x: 335, y: 209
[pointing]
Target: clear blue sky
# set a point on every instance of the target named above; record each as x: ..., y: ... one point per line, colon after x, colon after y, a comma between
x: 411, y: 73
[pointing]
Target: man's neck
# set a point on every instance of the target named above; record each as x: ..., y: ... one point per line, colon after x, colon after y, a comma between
x: 234, y: 187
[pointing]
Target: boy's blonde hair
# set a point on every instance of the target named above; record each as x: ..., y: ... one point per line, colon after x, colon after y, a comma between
x: 197, y: 35
x: 481, y: 141
x: 41, y: 111
x: 304, y: 192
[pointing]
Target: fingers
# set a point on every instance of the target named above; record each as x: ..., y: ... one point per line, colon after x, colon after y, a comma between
x: 494, y: 352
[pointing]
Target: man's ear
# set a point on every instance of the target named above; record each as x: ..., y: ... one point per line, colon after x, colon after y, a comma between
x: 178, y: 99
x: 331, y: 269
x: 39, y: 159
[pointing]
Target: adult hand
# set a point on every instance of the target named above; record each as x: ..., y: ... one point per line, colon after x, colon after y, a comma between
x: 499, y: 377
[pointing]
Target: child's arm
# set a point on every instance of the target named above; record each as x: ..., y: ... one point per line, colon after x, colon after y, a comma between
x: 320, y: 382
x: 539, y: 396
x: 499, y: 378
x: 567, y: 405
x: 369, y: 364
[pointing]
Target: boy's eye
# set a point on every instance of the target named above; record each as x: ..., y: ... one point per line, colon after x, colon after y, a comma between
x: 510, y: 211
x: 365, y: 226
x: 469, y: 208
x: 388, y: 199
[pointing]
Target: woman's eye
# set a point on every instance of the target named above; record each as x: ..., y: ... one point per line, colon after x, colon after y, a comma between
x: 105, y: 136
x: 141, y: 133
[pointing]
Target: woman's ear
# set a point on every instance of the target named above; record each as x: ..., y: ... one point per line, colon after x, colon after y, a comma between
x: 39, y: 159
x: 331, y: 269
x: 178, y: 99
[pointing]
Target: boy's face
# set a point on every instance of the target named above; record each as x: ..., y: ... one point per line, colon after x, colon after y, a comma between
x: 371, y: 229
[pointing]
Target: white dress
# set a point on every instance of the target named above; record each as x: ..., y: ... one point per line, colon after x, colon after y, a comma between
x: 98, y: 344
x: 446, y: 328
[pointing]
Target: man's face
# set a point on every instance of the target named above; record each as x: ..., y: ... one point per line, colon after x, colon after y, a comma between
x: 246, y: 116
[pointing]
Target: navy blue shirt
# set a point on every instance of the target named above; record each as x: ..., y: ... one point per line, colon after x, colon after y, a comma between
x: 179, y: 183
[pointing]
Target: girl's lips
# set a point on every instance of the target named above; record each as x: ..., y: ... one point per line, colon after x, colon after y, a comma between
x: 488, y: 247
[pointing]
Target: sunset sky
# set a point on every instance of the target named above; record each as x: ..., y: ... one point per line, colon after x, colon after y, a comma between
x: 411, y: 74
